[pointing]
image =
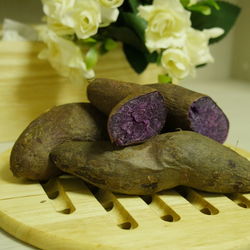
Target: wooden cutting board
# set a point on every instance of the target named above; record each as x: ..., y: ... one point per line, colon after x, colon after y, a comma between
x: 66, y: 213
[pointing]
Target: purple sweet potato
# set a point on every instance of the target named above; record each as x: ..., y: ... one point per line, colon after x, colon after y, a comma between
x: 135, y: 112
x: 76, y: 121
x: 189, y: 110
x: 163, y: 162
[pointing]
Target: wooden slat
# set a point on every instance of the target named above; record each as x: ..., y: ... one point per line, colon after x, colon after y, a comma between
x: 140, y: 211
x: 220, y: 201
x: 180, y: 205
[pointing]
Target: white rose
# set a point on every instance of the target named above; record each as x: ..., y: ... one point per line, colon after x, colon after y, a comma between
x: 57, y: 8
x: 82, y: 16
x: 213, y: 32
x: 85, y: 18
x: 58, y: 27
x: 64, y: 55
x: 109, y: 15
x: 111, y: 3
x: 167, y: 23
x: 109, y: 11
x: 177, y: 63
x: 197, y: 44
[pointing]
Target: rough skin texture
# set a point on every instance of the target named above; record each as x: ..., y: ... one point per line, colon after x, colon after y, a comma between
x: 163, y: 162
x: 136, y: 112
x: 76, y: 121
x: 208, y: 119
x: 138, y: 119
x: 190, y: 110
x: 105, y: 93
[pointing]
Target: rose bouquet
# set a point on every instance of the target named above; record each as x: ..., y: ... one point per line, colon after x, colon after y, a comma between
x: 174, y: 34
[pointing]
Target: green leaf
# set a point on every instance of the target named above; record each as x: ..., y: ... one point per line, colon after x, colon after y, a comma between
x: 136, y: 58
x: 149, y: 2
x: 134, y: 48
x: 204, y: 7
x: 134, y: 22
x: 110, y: 44
x: 212, y: 3
x: 164, y: 79
x: 201, y: 65
x: 152, y: 57
x: 205, y: 10
x: 107, y: 45
x: 134, y: 5
x: 91, y: 57
x: 224, y: 18
x: 124, y: 35
x: 86, y: 42
x: 90, y: 40
x: 185, y: 3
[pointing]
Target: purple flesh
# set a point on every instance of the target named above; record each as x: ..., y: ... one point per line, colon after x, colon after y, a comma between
x: 138, y: 119
x: 208, y: 119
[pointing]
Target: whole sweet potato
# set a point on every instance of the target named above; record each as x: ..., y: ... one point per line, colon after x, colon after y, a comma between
x: 190, y: 110
x: 76, y: 121
x: 163, y: 162
x: 135, y: 112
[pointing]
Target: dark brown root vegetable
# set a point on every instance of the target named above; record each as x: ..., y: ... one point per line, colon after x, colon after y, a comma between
x: 165, y: 161
x: 135, y: 112
x: 189, y: 110
x: 76, y: 121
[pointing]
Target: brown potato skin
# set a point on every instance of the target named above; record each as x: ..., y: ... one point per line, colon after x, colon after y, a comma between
x: 105, y: 93
x: 75, y: 121
x: 163, y: 162
x: 178, y: 100
x: 109, y: 96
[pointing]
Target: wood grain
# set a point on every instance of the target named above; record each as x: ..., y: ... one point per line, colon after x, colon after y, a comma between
x: 66, y: 213
x: 29, y: 86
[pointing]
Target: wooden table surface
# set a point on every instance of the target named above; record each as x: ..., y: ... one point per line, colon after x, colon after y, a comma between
x: 232, y: 96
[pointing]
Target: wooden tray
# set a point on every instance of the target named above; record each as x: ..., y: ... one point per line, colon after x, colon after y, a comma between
x: 66, y: 213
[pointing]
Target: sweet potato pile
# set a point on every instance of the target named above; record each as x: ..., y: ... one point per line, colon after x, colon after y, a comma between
x: 134, y: 139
